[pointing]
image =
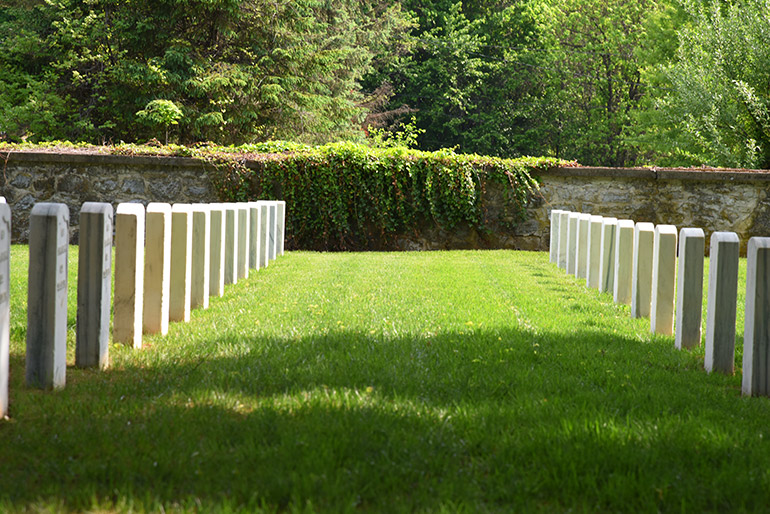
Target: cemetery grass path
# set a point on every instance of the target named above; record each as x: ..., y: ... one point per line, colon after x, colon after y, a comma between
x: 442, y: 381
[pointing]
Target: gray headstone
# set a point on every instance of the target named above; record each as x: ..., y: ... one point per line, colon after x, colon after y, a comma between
x: 128, y: 308
x: 94, y: 285
x: 563, y: 239
x: 581, y: 257
x: 756, y: 331
x: 572, y: 229
x: 641, y: 285
x: 46, y: 360
x: 722, y: 302
x: 5, y: 304
x: 607, y: 269
x: 663, y: 276
x: 689, y: 294
x: 281, y: 227
x: 217, y: 255
x: 157, y: 268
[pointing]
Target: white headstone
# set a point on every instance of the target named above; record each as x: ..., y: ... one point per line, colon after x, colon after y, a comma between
x: 722, y: 302
x: 641, y: 285
x: 129, y: 274
x: 231, y: 243
x: 594, y: 264
x: 607, y: 267
x: 689, y: 294
x: 243, y: 240
x: 217, y: 251
x: 255, y: 219
x: 281, y: 227
x: 572, y: 241
x: 201, y: 255
x: 581, y: 257
x: 624, y: 261
x: 5, y: 304
x: 94, y: 285
x: 181, y: 262
x: 272, y: 233
x: 663, y: 280
x: 264, y: 229
x: 563, y: 239
x: 157, y: 268
x: 553, y: 242
x: 47, y: 296
x: 756, y: 331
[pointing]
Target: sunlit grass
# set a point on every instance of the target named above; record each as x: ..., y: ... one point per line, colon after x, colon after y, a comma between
x: 390, y: 382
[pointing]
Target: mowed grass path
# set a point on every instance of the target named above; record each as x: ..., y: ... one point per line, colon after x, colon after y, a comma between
x: 478, y: 381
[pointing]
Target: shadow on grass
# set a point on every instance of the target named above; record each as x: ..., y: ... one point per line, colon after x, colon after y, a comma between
x: 485, y: 419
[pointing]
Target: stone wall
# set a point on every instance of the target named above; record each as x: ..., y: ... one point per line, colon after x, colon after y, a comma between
x: 726, y: 200
x: 73, y: 179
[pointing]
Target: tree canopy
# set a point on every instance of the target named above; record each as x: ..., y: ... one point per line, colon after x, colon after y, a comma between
x: 605, y: 82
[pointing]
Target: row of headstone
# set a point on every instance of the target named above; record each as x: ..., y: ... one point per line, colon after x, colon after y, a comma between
x: 168, y: 260
x: 637, y: 263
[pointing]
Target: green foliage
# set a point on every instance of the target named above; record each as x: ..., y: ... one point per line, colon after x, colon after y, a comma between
x: 351, y: 196
x: 404, y: 135
x: 714, y: 108
x: 161, y: 112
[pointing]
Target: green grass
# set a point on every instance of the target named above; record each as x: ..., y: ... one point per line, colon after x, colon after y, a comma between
x: 446, y: 381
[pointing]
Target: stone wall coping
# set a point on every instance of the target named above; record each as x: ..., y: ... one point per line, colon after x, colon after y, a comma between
x: 706, y: 174
x: 699, y: 174
x: 99, y: 159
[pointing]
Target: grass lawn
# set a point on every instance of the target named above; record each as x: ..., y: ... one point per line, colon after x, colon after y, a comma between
x: 476, y: 381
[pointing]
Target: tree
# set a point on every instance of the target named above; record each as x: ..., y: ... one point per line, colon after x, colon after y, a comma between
x: 713, y: 105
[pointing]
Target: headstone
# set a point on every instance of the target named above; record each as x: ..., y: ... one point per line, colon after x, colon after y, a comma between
x: 663, y: 284
x: 200, y: 259
x: 217, y: 250
x: 264, y: 238
x: 624, y: 261
x: 572, y: 228
x: 181, y: 262
x: 92, y: 335
x: 689, y: 294
x: 594, y: 264
x: 641, y: 285
x: 281, y: 227
x: 157, y: 268
x: 129, y: 274
x: 581, y: 257
x: 5, y: 304
x: 553, y: 243
x: 563, y: 238
x: 607, y: 267
x: 254, y: 221
x: 722, y: 302
x: 756, y: 331
x: 243, y: 240
x: 231, y: 243
x: 272, y: 233
x: 46, y: 360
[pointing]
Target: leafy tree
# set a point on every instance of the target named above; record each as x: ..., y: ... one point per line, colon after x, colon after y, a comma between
x: 714, y: 105
x: 161, y: 112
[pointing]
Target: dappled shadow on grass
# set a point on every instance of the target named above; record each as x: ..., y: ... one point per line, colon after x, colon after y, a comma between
x: 483, y: 418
